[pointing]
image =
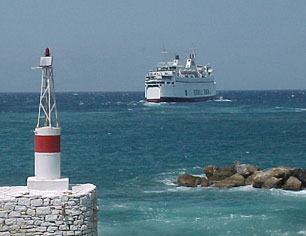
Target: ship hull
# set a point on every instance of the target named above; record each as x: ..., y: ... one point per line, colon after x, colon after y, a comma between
x: 178, y: 99
x: 182, y: 90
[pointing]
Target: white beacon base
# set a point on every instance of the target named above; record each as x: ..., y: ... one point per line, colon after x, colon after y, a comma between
x: 35, y: 183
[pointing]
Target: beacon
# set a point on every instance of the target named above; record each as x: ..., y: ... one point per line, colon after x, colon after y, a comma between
x: 47, y: 135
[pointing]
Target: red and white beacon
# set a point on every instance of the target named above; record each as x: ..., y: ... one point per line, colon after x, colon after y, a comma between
x: 47, y: 136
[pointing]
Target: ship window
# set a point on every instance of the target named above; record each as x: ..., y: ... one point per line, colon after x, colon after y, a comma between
x: 185, y: 92
x: 168, y: 82
x: 172, y: 82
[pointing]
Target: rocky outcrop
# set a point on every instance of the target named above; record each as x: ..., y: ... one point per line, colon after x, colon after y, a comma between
x: 273, y: 182
x: 217, y: 174
x: 188, y: 180
x: 300, y: 174
x: 232, y: 181
x: 245, y: 169
x: 260, y: 177
x: 210, y: 170
x: 205, y: 182
x: 246, y: 174
x: 292, y: 184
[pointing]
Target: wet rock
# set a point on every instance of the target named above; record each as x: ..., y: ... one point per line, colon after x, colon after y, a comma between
x: 232, y: 181
x: 299, y: 174
x: 188, y: 180
x: 260, y: 177
x: 249, y: 180
x: 292, y: 184
x: 245, y: 169
x: 210, y: 170
x: 222, y: 173
x: 280, y: 172
x: 205, y: 182
x: 273, y: 182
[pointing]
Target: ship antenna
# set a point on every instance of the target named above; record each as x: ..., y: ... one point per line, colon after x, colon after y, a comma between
x: 164, y: 52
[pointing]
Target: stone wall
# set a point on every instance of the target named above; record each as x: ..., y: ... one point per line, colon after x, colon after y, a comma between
x: 24, y: 212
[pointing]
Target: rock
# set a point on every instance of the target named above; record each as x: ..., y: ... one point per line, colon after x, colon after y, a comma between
x: 249, y: 180
x: 273, y: 182
x: 280, y: 171
x: 222, y: 173
x: 260, y: 177
x: 205, y: 182
x: 245, y: 169
x: 210, y: 170
x: 299, y: 174
x: 188, y: 180
x: 232, y: 181
x: 292, y: 184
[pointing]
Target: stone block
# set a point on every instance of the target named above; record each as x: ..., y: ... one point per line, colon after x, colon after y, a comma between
x: 56, y: 202
x: 55, y: 212
x: 24, y: 201
x: 30, y: 212
x: 20, y: 208
x: 51, y: 218
x: 43, y: 210
x: 59, y: 222
x: 72, y: 203
x: 5, y: 234
x: 52, y: 229
x: 13, y: 214
x: 41, y: 229
x: 84, y: 227
x: 74, y: 227
x: 9, y: 206
x: 3, y: 214
x: 64, y: 198
x: 63, y: 227
x: 46, y: 202
x: 10, y: 221
x: 21, y: 222
x: 37, y: 202
x: 48, y: 224
x: 38, y: 222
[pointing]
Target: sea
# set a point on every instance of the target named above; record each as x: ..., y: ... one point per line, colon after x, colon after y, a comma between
x: 133, y: 151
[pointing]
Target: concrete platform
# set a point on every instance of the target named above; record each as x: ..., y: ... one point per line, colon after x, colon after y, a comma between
x: 34, y: 183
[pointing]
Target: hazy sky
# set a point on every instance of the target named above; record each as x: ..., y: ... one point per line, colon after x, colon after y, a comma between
x: 110, y: 45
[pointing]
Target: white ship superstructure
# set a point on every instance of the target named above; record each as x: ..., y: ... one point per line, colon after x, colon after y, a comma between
x: 174, y: 82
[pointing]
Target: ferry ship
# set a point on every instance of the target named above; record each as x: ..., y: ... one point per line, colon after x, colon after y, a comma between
x: 175, y: 82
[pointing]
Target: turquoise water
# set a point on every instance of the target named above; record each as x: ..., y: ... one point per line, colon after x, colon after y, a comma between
x: 133, y: 151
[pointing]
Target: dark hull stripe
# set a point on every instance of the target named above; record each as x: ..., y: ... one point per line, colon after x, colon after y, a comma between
x: 173, y: 99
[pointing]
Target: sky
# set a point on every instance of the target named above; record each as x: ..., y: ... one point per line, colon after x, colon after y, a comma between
x: 109, y: 45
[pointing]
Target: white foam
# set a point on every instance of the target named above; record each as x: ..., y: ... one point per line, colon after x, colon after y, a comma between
x: 278, y: 192
x: 221, y: 99
x: 246, y: 188
x: 168, y: 182
x: 151, y: 104
x: 156, y: 191
x: 116, y: 205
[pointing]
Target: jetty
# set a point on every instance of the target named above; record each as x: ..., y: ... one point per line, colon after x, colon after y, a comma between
x: 246, y: 174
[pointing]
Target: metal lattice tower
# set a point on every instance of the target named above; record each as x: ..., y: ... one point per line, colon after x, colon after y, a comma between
x: 47, y: 114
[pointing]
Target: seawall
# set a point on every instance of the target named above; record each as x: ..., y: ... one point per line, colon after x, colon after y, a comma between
x: 24, y: 212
